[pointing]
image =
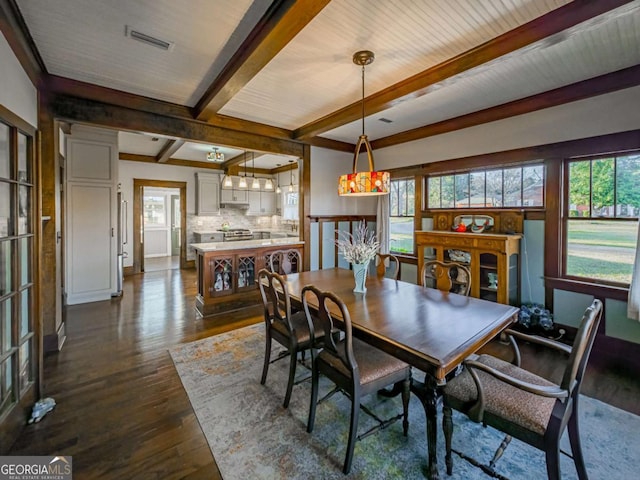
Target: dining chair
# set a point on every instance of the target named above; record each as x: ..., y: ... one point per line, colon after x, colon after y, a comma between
x: 524, y: 405
x: 356, y: 368
x: 289, y: 329
x: 285, y: 262
x: 388, y: 265
x: 447, y: 276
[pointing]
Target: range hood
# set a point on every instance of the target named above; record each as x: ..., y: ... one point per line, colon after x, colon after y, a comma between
x: 234, y: 204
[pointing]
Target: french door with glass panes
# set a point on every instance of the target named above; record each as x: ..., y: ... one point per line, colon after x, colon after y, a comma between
x: 18, y: 340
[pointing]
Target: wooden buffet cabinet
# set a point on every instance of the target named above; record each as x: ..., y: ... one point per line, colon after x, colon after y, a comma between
x: 483, y: 253
x: 227, y: 272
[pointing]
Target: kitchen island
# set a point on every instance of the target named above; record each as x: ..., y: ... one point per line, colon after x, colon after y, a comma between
x: 227, y: 272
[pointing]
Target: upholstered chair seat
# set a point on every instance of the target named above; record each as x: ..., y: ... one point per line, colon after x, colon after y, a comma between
x: 513, y: 404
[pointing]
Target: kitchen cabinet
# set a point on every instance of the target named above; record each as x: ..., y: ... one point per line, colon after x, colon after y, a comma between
x: 234, y: 195
x: 207, y: 194
x: 493, y: 259
x: 262, y: 203
x: 91, y: 176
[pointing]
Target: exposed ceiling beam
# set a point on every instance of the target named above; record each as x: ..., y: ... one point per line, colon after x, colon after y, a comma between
x: 56, y: 85
x: 166, y: 152
x: 280, y: 24
x: 17, y: 34
x: 611, y: 82
x: 174, y: 161
x: 112, y: 116
x: 285, y: 168
x: 237, y: 160
x: 331, y: 144
x: 552, y: 23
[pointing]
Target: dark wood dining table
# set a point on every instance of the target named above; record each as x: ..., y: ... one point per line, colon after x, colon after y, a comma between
x: 430, y: 330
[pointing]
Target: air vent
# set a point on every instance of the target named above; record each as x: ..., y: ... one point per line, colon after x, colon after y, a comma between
x: 148, y: 39
x: 385, y: 120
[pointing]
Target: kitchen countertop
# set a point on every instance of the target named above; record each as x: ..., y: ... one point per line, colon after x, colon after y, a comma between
x: 243, y: 244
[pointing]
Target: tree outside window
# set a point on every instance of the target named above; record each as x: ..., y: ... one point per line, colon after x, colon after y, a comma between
x: 603, y: 205
x: 401, y: 213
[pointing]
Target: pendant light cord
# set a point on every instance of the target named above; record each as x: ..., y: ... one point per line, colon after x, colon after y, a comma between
x: 362, y: 99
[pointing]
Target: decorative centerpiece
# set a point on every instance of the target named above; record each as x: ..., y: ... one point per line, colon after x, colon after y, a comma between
x: 358, y: 249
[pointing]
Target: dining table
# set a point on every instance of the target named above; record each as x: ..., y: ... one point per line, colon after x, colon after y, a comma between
x: 431, y: 330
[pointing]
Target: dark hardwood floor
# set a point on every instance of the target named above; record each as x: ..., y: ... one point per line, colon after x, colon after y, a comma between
x: 122, y: 412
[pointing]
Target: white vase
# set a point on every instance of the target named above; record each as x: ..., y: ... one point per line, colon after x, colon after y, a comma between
x: 360, y: 275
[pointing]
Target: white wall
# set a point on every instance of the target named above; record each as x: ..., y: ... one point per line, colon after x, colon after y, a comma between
x: 326, y: 167
x: 610, y: 113
x: 17, y: 93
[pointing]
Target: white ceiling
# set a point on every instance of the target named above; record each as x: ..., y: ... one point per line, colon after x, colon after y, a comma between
x: 313, y: 75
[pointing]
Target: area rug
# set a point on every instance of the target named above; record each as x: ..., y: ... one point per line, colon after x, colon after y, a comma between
x: 252, y: 436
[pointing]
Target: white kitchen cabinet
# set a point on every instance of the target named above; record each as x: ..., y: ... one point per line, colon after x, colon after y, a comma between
x: 234, y: 195
x: 90, y: 214
x: 207, y: 194
x: 261, y: 203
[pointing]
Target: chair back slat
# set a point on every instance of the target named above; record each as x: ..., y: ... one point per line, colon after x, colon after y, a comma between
x: 285, y: 262
x: 343, y: 351
x: 582, y: 346
x: 388, y: 265
x: 447, y: 276
x: 275, y: 298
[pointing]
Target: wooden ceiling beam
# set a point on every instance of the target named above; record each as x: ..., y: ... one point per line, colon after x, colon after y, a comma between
x: 117, y: 117
x: 610, y: 82
x: 17, y: 34
x: 279, y: 25
x: 166, y: 152
x: 174, y: 161
x: 538, y: 29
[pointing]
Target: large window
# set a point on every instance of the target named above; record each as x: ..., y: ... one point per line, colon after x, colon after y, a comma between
x: 401, y: 213
x: 603, y: 206
x: 497, y: 188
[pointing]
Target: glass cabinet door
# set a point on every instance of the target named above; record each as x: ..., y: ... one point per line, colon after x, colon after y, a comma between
x: 488, y: 276
x: 246, y: 272
x: 221, y: 270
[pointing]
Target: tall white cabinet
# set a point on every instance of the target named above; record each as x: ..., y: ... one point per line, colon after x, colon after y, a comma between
x: 90, y: 209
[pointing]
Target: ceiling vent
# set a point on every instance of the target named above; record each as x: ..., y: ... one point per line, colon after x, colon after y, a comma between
x: 385, y: 120
x: 148, y: 39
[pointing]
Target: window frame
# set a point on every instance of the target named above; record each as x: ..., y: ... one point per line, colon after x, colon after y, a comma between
x: 566, y: 217
x: 455, y: 175
x: 408, y: 208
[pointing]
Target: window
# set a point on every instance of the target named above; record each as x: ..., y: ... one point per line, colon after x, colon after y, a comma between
x: 603, y: 205
x: 290, y: 205
x: 155, y: 211
x: 498, y: 188
x: 401, y: 212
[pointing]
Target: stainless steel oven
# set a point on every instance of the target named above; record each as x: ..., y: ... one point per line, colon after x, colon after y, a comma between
x: 236, y: 234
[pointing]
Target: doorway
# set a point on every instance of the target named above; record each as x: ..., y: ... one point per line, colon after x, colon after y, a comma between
x: 159, y: 225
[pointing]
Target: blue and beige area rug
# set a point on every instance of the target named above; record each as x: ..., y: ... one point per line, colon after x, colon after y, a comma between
x: 253, y: 437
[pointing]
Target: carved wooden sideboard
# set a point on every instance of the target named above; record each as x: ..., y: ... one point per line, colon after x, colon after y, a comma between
x: 486, y: 255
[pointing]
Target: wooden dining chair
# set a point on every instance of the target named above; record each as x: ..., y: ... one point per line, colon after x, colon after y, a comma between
x: 388, y: 265
x: 447, y: 276
x: 522, y: 404
x: 285, y: 262
x: 356, y: 368
x: 289, y: 329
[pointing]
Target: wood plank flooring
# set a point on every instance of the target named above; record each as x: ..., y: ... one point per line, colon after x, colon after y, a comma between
x: 122, y: 412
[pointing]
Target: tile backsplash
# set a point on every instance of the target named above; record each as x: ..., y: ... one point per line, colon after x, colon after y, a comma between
x: 236, y: 218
